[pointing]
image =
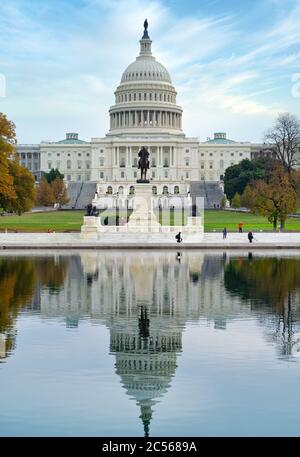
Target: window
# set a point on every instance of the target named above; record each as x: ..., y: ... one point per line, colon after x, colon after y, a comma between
x: 101, y: 150
x: 145, y: 96
x: 166, y: 174
x: 68, y: 164
x: 69, y: 155
x: 202, y: 154
x: 166, y: 163
x: 134, y: 174
x: 88, y: 165
x: 79, y: 164
x: 176, y: 190
x: 101, y: 175
x: 187, y: 175
x: 49, y: 165
x: 101, y: 162
x: 154, y: 190
x: 49, y: 154
x: 121, y: 190
x: 221, y: 177
x: 241, y: 154
x: 109, y: 190
x: 165, y: 190
x: 202, y: 165
x: 79, y: 154
x: 135, y: 162
x: 187, y: 151
x: 153, y: 174
x: 122, y: 162
x: 153, y: 163
x: 79, y: 178
x: 221, y: 164
x: 187, y: 162
x: 232, y: 154
x: 69, y: 178
x: 122, y: 174
x: 210, y: 165
x: 58, y: 154
x: 210, y: 154
x: 131, y: 190
x: 88, y: 154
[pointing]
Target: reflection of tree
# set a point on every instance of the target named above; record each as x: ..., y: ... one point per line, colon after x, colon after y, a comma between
x: 51, y: 272
x: 19, y: 278
x: 16, y: 290
x: 272, y: 282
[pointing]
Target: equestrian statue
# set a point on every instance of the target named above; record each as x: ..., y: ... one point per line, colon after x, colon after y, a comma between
x: 143, y: 164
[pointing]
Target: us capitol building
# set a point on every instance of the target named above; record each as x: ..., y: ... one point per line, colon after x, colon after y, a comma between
x: 145, y: 113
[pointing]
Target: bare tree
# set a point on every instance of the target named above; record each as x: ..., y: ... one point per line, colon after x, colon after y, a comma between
x: 284, y: 139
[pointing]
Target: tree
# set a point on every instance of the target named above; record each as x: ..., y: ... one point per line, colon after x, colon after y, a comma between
x: 284, y: 138
x: 274, y: 199
x: 223, y: 202
x: 59, y: 192
x: 24, y: 185
x: 236, y: 201
x: 53, y: 175
x: 247, y: 197
x: 237, y: 177
x: 45, y: 193
x: 7, y: 140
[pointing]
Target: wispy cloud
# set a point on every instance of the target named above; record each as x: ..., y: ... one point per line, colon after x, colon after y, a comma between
x: 63, y: 60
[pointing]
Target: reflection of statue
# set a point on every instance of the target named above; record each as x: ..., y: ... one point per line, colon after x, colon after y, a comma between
x: 143, y: 164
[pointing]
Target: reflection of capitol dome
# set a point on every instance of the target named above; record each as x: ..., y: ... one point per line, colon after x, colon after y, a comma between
x: 145, y: 358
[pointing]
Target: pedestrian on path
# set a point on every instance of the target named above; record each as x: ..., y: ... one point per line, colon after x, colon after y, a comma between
x: 240, y: 226
x: 250, y: 237
x: 178, y: 237
x: 224, y: 233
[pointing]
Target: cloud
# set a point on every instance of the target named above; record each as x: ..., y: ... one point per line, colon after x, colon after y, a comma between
x: 63, y: 60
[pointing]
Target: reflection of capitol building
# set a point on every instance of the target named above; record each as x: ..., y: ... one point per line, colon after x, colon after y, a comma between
x: 145, y: 301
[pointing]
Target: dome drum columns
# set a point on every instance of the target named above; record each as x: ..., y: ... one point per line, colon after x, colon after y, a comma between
x: 145, y: 118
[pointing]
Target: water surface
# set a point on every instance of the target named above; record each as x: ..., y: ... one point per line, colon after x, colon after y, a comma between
x: 149, y: 343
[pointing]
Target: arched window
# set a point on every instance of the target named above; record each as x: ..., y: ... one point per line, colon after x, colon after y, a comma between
x: 121, y: 190
x: 69, y: 164
x: 176, y: 190
x: 131, y: 190
x: 165, y: 190
x: 109, y: 190
x: 154, y: 190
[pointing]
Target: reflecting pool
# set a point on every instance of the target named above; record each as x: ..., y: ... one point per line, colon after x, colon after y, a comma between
x: 153, y: 343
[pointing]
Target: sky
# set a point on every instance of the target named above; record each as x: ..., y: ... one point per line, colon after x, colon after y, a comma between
x: 235, y: 64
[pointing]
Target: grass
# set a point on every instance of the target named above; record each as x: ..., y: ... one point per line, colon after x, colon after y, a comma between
x: 71, y: 221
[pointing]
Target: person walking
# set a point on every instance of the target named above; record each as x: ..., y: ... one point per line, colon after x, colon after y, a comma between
x: 178, y: 237
x: 224, y: 233
x: 240, y: 226
x: 250, y: 237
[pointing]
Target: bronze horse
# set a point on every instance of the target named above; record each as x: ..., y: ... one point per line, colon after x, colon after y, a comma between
x: 143, y: 164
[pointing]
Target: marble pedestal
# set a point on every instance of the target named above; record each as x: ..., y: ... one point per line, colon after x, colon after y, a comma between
x: 143, y: 219
x: 90, y: 228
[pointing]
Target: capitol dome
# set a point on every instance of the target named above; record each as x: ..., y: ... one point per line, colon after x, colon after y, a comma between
x: 146, y: 68
x: 145, y: 100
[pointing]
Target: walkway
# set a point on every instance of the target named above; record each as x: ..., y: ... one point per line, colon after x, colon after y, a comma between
x: 210, y: 241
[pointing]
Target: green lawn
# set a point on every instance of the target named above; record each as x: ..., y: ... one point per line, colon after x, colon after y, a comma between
x: 71, y: 221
